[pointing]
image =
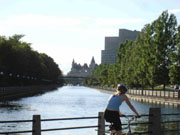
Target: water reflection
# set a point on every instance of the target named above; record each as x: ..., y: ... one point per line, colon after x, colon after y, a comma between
x: 69, y: 101
x: 9, y: 105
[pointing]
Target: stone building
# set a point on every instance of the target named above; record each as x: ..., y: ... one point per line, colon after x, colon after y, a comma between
x: 108, y: 55
x: 82, y: 71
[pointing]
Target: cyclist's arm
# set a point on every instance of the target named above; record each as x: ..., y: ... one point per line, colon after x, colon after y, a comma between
x: 121, y: 114
x: 131, y: 106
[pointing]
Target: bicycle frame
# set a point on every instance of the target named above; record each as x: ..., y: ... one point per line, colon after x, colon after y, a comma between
x: 129, y: 125
x: 113, y: 132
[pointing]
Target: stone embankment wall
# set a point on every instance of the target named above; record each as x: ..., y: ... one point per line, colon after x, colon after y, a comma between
x: 10, y: 93
x: 155, y: 100
x: 168, y: 97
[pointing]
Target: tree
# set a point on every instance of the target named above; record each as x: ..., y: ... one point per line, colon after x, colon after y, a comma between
x: 164, y: 43
x: 174, y: 72
x: 25, y: 66
x: 151, y: 60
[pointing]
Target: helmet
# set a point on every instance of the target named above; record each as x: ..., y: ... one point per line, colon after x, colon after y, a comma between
x: 122, y: 87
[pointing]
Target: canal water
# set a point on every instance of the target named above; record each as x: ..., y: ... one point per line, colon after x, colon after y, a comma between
x: 65, y: 102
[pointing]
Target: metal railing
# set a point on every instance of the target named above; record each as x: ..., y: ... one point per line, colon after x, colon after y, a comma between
x: 154, y: 124
x: 156, y: 93
x: 36, y: 125
x: 151, y: 93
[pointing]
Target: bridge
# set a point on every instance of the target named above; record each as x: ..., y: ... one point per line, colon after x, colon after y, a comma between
x: 75, y: 80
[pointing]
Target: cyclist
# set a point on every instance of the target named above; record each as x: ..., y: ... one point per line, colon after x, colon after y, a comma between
x: 112, y: 112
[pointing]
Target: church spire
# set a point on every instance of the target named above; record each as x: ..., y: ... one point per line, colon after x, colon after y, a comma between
x: 92, y: 61
x: 92, y: 64
x: 73, y: 63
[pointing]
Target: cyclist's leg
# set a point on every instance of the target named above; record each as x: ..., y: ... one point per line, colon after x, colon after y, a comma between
x: 118, y: 133
x: 112, y: 128
x: 115, y: 128
x: 114, y: 132
x: 113, y: 117
x: 118, y: 126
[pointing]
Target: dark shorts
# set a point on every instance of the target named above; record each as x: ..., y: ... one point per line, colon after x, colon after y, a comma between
x: 113, y: 117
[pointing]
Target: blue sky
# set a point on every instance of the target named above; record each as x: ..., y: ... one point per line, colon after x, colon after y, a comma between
x: 75, y: 29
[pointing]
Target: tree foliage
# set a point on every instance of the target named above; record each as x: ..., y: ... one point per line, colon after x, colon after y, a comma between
x: 174, y: 72
x: 152, y: 59
x: 21, y: 65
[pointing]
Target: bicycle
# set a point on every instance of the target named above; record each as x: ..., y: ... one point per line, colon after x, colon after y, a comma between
x: 113, y: 132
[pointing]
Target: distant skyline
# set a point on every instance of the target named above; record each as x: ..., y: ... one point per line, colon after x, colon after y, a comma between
x: 76, y: 29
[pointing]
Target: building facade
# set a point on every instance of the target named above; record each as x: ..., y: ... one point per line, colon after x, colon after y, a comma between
x: 108, y: 55
x: 82, y: 71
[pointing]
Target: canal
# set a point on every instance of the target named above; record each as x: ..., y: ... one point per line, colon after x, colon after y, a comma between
x: 67, y: 101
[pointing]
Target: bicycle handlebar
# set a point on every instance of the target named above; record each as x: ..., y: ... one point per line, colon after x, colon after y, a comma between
x: 130, y: 119
x: 130, y: 116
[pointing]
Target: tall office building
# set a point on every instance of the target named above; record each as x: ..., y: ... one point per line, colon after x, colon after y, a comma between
x: 108, y: 55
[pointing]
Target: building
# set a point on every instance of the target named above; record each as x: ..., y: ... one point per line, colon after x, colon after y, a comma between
x: 108, y: 55
x: 82, y: 71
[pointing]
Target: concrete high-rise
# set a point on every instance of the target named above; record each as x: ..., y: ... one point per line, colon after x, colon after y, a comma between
x: 108, y: 55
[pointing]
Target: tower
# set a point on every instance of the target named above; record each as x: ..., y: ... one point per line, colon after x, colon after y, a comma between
x: 92, y: 64
x: 108, y: 55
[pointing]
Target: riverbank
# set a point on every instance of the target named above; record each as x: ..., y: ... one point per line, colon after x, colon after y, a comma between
x: 152, y: 99
x: 12, y: 93
x: 155, y: 100
x: 105, y: 90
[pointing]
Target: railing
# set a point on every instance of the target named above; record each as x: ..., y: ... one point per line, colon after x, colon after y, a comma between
x: 156, y: 93
x: 36, y: 124
x: 154, y: 124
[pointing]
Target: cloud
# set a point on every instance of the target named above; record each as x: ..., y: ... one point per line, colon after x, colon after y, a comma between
x: 39, y: 20
x: 117, y: 21
x: 64, y: 38
x: 174, y: 11
x: 64, y: 55
x: 39, y: 24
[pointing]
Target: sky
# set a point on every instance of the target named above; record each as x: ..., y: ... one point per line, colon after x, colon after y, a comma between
x: 76, y: 29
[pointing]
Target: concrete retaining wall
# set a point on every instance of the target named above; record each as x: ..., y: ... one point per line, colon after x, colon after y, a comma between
x: 155, y: 100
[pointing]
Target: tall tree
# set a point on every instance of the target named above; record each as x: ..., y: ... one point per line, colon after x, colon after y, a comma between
x: 23, y: 64
x: 164, y: 43
x: 174, y: 72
